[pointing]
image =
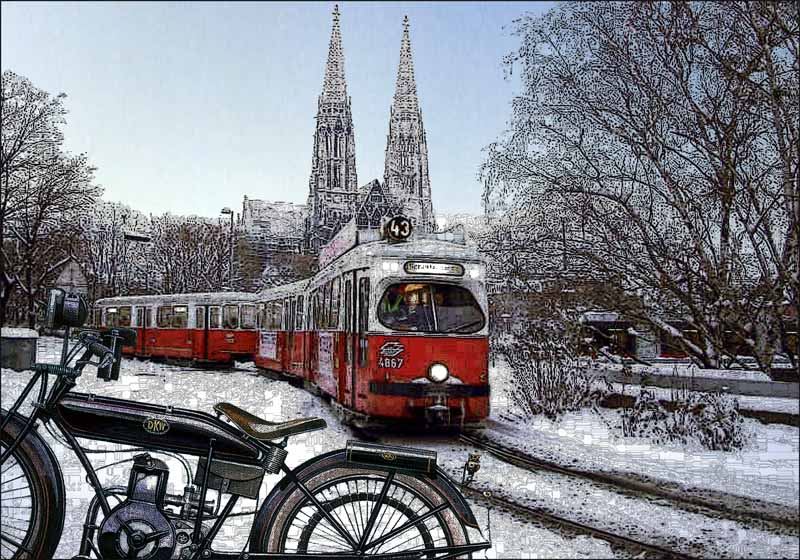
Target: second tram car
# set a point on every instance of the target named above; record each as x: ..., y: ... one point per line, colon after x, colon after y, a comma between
x: 389, y: 330
x: 208, y: 327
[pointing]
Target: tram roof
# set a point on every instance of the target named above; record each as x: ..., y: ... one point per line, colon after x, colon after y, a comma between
x: 207, y: 298
x: 282, y: 291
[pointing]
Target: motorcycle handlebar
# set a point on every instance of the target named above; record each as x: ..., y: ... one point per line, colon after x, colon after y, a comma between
x: 100, y: 351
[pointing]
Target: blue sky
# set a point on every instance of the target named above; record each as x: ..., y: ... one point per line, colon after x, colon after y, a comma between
x: 186, y: 107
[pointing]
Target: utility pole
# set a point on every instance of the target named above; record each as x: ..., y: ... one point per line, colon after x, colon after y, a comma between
x: 228, y: 211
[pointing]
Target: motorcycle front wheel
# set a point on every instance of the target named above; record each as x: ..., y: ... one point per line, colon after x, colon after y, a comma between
x: 31, y: 496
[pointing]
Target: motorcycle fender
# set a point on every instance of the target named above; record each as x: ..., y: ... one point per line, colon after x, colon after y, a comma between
x: 437, y: 478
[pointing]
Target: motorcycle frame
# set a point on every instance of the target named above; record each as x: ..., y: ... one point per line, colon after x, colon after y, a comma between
x: 43, y: 409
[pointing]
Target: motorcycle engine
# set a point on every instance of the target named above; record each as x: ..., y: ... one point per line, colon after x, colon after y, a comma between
x: 137, y: 527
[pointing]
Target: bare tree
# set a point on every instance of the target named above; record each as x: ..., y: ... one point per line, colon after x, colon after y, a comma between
x: 31, y: 138
x: 190, y: 254
x: 41, y: 235
x: 640, y: 120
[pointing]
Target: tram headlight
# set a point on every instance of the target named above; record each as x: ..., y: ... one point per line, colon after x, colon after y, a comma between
x: 390, y: 266
x: 475, y: 272
x: 438, y: 373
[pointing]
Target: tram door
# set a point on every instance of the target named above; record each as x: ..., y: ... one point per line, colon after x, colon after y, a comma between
x: 362, y: 325
x: 200, y: 334
x: 356, y: 297
x: 346, y: 392
x: 142, y: 330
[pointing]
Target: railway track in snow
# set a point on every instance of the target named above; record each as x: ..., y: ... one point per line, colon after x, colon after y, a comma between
x: 569, y: 527
x: 740, y: 509
x: 562, y: 525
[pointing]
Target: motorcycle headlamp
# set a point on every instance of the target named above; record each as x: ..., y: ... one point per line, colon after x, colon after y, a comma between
x: 65, y: 310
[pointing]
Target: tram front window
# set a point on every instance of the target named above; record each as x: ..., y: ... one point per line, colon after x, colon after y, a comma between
x: 441, y: 308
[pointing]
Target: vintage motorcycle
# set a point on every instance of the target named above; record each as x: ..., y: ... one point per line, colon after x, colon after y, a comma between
x: 367, y: 500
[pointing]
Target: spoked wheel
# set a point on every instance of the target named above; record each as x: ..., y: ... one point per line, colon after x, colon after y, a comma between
x: 31, y: 498
x: 18, y: 506
x: 366, y: 513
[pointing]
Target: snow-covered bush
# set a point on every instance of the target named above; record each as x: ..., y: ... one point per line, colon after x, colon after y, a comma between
x: 548, y: 376
x: 709, y: 419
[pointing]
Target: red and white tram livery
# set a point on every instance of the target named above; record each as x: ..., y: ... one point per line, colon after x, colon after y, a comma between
x: 211, y: 327
x: 391, y: 330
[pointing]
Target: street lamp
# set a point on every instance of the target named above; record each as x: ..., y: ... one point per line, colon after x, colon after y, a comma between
x: 228, y: 211
x: 135, y: 238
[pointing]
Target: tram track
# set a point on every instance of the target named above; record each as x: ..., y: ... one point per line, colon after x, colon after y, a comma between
x: 562, y: 525
x: 569, y: 527
x: 629, y: 486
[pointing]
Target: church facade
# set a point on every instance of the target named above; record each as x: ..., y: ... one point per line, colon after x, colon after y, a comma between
x: 334, y: 195
x: 334, y: 198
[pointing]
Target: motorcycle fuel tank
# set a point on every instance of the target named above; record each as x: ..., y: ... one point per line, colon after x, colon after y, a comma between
x: 151, y: 426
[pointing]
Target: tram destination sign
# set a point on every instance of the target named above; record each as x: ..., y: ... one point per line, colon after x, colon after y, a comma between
x: 448, y: 269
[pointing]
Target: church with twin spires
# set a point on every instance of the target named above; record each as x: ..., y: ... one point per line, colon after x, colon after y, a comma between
x: 334, y: 194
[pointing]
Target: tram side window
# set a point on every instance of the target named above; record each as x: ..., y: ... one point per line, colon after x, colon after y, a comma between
x: 164, y: 317
x: 326, y: 306
x: 230, y: 317
x: 335, y: 297
x: 148, y: 317
x: 111, y: 317
x: 97, y: 317
x: 124, y: 317
x: 200, y: 317
x: 298, y: 316
x: 248, y: 316
x: 214, y: 318
x: 276, y: 315
x: 180, y: 317
x: 260, y: 314
x: 363, y: 320
x: 315, y: 310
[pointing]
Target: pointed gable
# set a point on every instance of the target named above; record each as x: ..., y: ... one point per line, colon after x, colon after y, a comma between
x: 375, y: 204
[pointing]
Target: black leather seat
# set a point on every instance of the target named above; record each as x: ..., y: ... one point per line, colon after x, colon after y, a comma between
x: 262, y: 430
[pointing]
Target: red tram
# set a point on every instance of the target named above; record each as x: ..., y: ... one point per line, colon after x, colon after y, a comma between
x: 211, y: 327
x: 389, y: 330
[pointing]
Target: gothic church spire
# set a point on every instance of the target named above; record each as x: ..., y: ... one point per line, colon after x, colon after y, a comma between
x: 405, y: 176
x: 405, y: 94
x: 333, y: 185
x: 334, y: 88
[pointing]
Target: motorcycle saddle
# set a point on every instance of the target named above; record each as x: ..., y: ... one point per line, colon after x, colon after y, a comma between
x: 260, y: 429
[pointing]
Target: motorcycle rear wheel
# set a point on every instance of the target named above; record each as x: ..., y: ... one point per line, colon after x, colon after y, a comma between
x: 31, y: 496
x: 291, y: 523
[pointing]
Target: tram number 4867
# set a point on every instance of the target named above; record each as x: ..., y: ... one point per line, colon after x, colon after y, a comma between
x: 394, y: 363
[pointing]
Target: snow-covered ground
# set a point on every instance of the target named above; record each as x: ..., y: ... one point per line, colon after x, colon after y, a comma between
x: 272, y: 400
x: 686, y: 369
x: 770, y: 404
x: 768, y: 468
